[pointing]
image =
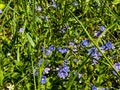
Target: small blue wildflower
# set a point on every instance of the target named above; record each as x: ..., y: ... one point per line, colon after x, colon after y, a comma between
x: 97, y: 33
x: 114, y: 73
x: 65, y: 61
x: 21, y: 30
x: 102, y: 28
x: 63, y: 30
x: 47, y: 52
x: 79, y: 75
x: 44, y: 17
x: 0, y: 11
x: 94, y: 88
x: 43, y: 79
x: 66, y: 68
x: 39, y: 8
x: 94, y: 53
x: 35, y: 71
x: 85, y: 43
x: 46, y: 70
x: 62, y: 74
x: 63, y: 50
x: 52, y: 48
x: 75, y: 4
x: 117, y: 66
x: 54, y: 5
x: 40, y: 62
x: 71, y: 44
x: 109, y: 45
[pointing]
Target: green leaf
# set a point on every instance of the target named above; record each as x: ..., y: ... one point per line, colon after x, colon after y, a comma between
x: 30, y: 40
x: 116, y: 2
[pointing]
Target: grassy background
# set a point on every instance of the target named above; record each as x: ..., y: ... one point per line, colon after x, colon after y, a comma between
x: 21, y: 51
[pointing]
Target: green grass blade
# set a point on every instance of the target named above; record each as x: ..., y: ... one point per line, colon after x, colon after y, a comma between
x: 30, y: 40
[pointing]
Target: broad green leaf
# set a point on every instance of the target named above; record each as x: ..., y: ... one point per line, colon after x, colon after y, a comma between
x: 30, y: 40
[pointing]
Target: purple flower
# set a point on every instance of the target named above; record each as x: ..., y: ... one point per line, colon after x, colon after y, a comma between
x: 43, y: 79
x: 97, y: 33
x: 21, y: 29
x: 79, y: 75
x: 35, y: 71
x: 65, y: 61
x: 75, y: 4
x: 107, y: 46
x: 85, y: 43
x: 44, y: 17
x: 52, y: 48
x: 114, y: 73
x: 63, y: 50
x: 94, y: 88
x: 117, y: 66
x: 102, y: 28
x: 94, y: 53
x: 62, y: 74
x: 66, y: 68
x: 47, y: 52
x: 71, y: 44
x: 0, y: 10
x: 46, y: 70
x: 54, y: 5
x: 40, y: 62
x: 39, y: 8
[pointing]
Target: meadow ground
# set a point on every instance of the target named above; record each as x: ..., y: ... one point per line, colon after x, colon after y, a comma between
x: 59, y: 45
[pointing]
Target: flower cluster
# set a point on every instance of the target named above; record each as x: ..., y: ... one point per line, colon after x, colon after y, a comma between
x: 63, y: 50
x: 64, y: 72
x: 97, y: 33
x: 94, y: 52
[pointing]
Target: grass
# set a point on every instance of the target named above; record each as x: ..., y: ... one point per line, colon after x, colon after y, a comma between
x: 20, y: 51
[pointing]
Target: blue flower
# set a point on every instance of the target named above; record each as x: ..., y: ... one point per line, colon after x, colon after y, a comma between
x: 63, y: 50
x: 94, y: 53
x: 94, y: 88
x: 66, y: 68
x: 102, y: 28
x: 52, y: 48
x: 35, y: 71
x: 109, y: 45
x: 44, y: 17
x: 97, y: 33
x: 117, y: 66
x: 40, y: 62
x: 79, y: 75
x: 46, y: 70
x: 85, y: 43
x: 71, y: 44
x: 39, y: 8
x: 0, y: 11
x: 43, y: 79
x: 75, y: 4
x: 65, y: 61
x: 62, y: 74
x: 54, y: 5
x: 21, y: 29
x: 47, y: 52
